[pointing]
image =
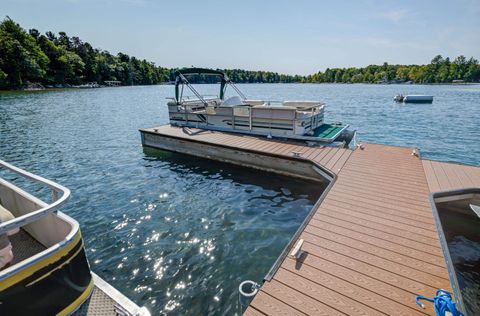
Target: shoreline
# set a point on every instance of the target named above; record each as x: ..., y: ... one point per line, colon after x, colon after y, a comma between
x: 247, y: 83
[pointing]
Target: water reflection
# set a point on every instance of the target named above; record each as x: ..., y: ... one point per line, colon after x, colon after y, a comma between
x: 199, y: 228
x: 218, y: 170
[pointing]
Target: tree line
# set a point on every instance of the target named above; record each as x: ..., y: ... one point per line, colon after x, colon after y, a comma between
x: 57, y: 59
x: 440, y: 70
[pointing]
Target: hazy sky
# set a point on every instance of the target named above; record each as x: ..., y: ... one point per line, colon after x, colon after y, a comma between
x: 296, y: 37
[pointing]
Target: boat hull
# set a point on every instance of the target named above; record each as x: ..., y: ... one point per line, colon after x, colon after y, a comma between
x: 418, y: 99
x: 56, y: 285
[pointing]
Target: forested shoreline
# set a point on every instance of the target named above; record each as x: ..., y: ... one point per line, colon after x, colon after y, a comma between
x: 58, y: 60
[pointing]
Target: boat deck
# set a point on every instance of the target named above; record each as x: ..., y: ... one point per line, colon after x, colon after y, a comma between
x: 24, y: 246
x: 371, y: 244
x: 328, y: 131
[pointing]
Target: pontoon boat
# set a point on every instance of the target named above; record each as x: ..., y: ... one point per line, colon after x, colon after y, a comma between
x: 299, y: 120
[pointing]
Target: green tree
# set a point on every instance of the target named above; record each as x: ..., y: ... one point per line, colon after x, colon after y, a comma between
x: 358, y: 78
x: 402, y: 73
x: 21, y: 60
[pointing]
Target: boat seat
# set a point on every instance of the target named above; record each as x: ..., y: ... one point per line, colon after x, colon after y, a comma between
x: 233, y: 101
x: 6, y: 215
x: 255, y: 103
x: 6, y: 255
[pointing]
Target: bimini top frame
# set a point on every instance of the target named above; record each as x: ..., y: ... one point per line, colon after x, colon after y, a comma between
x: 181, y: 80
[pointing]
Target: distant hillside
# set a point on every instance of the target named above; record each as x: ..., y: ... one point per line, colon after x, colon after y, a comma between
x: 59, y: 60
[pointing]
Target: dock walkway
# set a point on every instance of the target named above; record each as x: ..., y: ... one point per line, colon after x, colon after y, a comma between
x: 371, y: 245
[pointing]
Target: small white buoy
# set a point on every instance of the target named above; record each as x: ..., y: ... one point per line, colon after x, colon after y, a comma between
x: 415, y: 152
x: 360, y: 145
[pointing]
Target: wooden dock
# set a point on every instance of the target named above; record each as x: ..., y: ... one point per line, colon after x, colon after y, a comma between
x: 371, y: 244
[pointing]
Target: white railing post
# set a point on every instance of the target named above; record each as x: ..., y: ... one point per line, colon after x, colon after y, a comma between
x: 54, y: 196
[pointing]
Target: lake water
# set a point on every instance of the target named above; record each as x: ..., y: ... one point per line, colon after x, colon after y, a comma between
x: 177, y: 233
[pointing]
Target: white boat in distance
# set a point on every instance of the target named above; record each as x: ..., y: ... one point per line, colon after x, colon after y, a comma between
x: 298, y: 120
x: 413, y: 98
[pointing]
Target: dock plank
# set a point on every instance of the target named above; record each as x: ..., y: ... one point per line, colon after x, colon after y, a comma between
x: 341, y: 161
x: 328, y: 156
x: 271, y: 306
x: 379, y: 251
x: 321, y: 154
x: 334, y: 159
x: 338, y: 301
x: 317, y: 254
x: 385, y: 234
x: 387, y: 211
x: 390, y: 189
x: 444, y: 176
x: 250, y: 311
x: 364, y: 224
x: 357, y: 293
x: 302, y: 302
x: 351, y: 210
x: 382, y: 240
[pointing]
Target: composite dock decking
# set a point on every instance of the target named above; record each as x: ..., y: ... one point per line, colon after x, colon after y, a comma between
x: 371, y: 245
x: 444, y: 176
x: 369, y: 249
x: 333, y: 158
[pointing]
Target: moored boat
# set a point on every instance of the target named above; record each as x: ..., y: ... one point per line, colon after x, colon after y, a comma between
x: 43, y: 264
x: 413, y: 98
x: 298, y: 120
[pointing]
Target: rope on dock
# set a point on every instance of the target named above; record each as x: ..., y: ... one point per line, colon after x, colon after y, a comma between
x: 442, y: 302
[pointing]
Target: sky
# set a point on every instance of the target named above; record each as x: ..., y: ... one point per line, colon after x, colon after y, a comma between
x: 292, y: 37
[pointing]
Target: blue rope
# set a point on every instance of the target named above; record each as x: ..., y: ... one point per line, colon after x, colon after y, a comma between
x: 442, y: 302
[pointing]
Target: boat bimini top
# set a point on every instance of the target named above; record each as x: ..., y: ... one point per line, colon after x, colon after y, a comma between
x: 181, y: 81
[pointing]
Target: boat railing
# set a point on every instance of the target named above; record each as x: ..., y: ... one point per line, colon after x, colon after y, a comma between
x: 194, y: 99
x: 31, y: 217
x: 191, y: 97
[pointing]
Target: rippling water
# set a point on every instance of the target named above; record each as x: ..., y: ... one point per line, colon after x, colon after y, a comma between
x: 177, y: 233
